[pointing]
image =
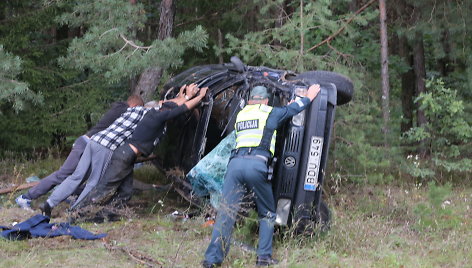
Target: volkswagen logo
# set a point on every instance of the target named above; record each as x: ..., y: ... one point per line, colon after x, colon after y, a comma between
x: 289, y: 161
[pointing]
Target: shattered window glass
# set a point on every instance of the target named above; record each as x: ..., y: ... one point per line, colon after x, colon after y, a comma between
x: 207, y: 176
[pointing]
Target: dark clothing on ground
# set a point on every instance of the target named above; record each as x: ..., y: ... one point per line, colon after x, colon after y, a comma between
x: 39, y: 226
x: 117, y: 108
x: 57, y: 177
x: 119, y: 174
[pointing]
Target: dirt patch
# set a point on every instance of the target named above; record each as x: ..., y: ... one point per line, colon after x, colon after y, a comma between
x: 9, y: 216
x: 100, y: 214
x: 61, y: 242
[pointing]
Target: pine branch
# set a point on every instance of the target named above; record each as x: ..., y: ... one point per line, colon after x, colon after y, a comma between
x: 131, y: 43
x: 340, y: 30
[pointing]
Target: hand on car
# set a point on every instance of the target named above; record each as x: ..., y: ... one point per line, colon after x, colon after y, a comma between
x: 191, y: 90
x: 181, y: 91
x: 202, y: 92
x: 313, y: 91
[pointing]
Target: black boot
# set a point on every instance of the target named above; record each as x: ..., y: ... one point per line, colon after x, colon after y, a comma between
x: 207, y: 264
x: 266, y: 260
x: 45, y: 209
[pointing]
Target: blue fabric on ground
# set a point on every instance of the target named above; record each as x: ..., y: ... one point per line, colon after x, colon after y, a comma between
x: 39, y: 226
x: 207, y: 175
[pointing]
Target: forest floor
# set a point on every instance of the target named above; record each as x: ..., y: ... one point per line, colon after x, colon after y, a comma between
x: 372, y: 226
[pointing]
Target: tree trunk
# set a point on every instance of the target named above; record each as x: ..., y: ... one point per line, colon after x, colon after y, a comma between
x: 420, y: 75
x: 166, y: 19
x: 408, y: 85
x: 353, y: 5
x: 150, y: 78
x: 281, y: 14
x: 384, y: 71
x: 220, y: 46
x: 404, y: 20
x: 300, y: 65
x: 444, y: 64
x: 52, y: 35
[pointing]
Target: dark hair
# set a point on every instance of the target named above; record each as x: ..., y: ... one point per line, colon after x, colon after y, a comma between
x: 135, y: 99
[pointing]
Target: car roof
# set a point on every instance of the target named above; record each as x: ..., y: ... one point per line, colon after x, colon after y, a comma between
x: 220, y: 76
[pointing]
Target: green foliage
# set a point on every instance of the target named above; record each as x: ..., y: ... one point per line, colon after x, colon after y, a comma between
x: 437, y: 213
x: 19, y: 166
x: 447, y: 132
x: 292, y: 45
x: 72, y: 100
x: 295, y: 45
x: 357, y: 151
x: 101, y: 44
x: 248, y: 227
x: 13, y: 91
x: 110, y: 47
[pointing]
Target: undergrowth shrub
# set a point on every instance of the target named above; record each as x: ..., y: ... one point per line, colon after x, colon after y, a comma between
x: 446, y: 135
x: 437, y: 213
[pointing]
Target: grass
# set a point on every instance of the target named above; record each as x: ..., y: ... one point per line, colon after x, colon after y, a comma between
x: 372, y: 226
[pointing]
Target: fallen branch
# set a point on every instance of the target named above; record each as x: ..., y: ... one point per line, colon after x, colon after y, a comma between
x: 18, y: 187
x: 184, y: 189
x: 136, y: 185
x: 331, y: 37
x: 136, y: 256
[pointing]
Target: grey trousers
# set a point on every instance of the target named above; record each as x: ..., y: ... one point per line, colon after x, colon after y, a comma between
x: 116, y: 184
x: 95, y: 158
x: 55, y: 178
x: 243, y: 175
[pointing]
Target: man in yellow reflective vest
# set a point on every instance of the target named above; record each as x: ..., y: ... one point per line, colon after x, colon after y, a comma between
x: 255, y: 127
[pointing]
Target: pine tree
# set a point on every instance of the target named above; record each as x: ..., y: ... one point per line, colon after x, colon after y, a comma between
x: 109, y: 45
x: 12, y: 91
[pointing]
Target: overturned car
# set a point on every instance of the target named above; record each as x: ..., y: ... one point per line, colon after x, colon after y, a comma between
x: 302, y: 143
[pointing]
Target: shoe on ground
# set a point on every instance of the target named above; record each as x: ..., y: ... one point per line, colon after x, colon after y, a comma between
x: 207, y: 264
x: 23, y: 202
x: 266, y: 261
x: 46, y: 209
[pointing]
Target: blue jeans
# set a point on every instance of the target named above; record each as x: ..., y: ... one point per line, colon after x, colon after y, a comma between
x: 55, y: 178
x: 243, y: 175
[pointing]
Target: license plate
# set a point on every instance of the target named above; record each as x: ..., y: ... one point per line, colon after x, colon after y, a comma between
x: 313, y: 166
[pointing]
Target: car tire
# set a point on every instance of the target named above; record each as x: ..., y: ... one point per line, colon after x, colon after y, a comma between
x: 344, y: 86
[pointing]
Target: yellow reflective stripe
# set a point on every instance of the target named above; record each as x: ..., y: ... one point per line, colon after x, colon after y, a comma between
x: 272, y: 143
x: 252, y: 137
x: 249, y: 140
x: 251, y: 132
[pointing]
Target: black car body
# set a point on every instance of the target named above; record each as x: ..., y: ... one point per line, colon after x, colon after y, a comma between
x: 302, y: 142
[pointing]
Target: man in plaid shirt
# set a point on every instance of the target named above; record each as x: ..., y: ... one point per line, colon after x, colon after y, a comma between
x: 116, y: 183
x: 69, y: 165
x: 96, y: 156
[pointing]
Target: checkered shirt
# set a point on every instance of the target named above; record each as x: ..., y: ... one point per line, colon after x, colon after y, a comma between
x: 120, y: 130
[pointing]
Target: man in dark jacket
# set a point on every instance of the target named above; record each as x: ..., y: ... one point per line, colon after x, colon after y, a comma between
x: 247, y: 171
x: 118, y: 175
x: 55, y: 178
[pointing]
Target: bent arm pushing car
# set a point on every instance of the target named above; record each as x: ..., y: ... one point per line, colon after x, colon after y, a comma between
x: 247, y: 171
x: 118, y: 176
